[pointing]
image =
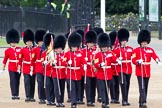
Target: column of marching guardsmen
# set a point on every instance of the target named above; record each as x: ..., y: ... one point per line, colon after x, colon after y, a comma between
x: 94, y: 65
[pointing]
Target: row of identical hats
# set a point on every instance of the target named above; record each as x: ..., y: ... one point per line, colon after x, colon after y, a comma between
x: 59, y: 41
x: 12, y: 36
x: 123, y: 35
x: 77, y: 37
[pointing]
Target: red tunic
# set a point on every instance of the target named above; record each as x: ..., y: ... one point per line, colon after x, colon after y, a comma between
x: 47, y: 68
x: 114, y: 67
x: 126, y: 54
x: 89, y: 55
x: 12, y: 55
x: 108, y: 58
x: 77, y: 61
x: 25, y: 60
x: 60, y: 67
x: 145, y: 54
x: 38, y: 67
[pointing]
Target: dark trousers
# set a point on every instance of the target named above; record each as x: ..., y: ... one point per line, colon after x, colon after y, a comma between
x: 75, y: 91
x: 68, y: 88
x: 29, y: 82
x: 82, y: 89
x: 98, y: 91
x: 114, y: 88
x: 61, y: 84
x: 14, y: 82
x: 41, y: 89
x: 104, y: 90
x: 50, y: 96
x: 91, y: 89
x: 143, y: 90
x: 125, y: 85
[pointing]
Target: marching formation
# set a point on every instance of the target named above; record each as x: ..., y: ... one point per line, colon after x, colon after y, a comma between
x: 82, y: 63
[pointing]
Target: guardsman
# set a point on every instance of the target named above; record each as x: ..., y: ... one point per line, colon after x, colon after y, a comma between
x: 141, y: 59
x: 38, y: 66
x: 114, y: 87
x: 59, y: 69
x: 66, y: 50
x: 26, y: 63
x: 124, y: 53
x: 80, y: 101
x: 90, y: 76
x: 98, y: 30
x: 11, y: 55
x: 48, y: 57
x: 102, y: 62
x: 75, y: 62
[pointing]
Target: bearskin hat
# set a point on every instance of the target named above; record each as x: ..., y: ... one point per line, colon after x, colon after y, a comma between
x: 59, y: 42
x: 28, y: 36
x: 81, y: 32
x: 112, y: 36
x: 39, y: 35
x: 123, y: 34
x: 98, y: 30
x: 12, y: 36
x: 74, y: 40
x: 91, y: 36
x: 144, y: 35
x: 47, y: 39
x: 103, y: 40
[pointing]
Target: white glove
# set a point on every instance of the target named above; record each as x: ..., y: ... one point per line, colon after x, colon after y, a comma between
x: 140, y: 61
x: 85, y: 67
x: 120, y: 58
x: 70, y: 62
x: 18, y: 70
x: 159, y: 63
x: 31, y: 71
x: 45, y: 62
x: 119, y: 62
x: 86, y: 58
x: 55, y: 61
x: 102, y: 64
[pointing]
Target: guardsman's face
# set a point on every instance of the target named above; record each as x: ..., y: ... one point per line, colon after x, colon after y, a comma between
x: 123, y: 43
x: 58, y: 50
x: 90, y: 45
x: 144, y: 44
x: 29, y: 43
x: 74, y: 48
x: 105, y: 49
x: 13, y: 44
x: 40, y: 43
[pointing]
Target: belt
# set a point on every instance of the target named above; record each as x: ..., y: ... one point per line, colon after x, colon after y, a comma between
x: 26, y: 62
x: 38, y: 60
x: 146, y: 63
x: 59, y: 67
x: 114, y: 64
x: 106, y: 67
x: 15, y: 61
x: 126, y: 61
x: 89, y: 63
x: 75, y: 68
